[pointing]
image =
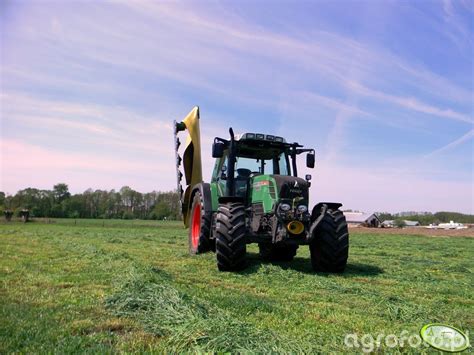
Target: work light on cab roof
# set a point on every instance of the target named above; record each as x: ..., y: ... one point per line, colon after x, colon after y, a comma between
x: 268, y: 137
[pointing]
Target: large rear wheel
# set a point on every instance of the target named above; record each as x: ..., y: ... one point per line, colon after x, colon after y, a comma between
x: 199, y: 227
x: 231, y: 245
x: 330, y: 247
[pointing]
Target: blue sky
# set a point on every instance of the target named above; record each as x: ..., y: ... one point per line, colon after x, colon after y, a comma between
x: 383, y: 90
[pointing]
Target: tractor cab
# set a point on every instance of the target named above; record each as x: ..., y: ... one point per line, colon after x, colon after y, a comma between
x: 253, y: 157
x: 249, y: 155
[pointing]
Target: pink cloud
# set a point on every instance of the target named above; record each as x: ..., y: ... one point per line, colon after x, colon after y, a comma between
x: 25, y: 165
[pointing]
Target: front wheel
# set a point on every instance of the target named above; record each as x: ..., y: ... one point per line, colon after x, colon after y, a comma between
x: 330, y: 247
x: 231, y: 245
x: 199, y: 227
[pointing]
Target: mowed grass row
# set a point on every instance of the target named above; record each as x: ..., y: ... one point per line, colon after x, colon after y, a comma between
x: 132, y: 286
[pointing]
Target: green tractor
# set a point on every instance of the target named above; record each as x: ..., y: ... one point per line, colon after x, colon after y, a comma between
x: 256, y: 196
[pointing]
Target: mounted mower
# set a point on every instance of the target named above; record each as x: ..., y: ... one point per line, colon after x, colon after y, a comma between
x: 255, y: 196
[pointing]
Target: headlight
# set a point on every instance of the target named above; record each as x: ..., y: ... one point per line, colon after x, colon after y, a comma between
x: 284, y: 207
x: 302, y: 208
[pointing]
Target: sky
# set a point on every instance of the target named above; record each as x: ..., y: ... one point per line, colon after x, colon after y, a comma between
x: 382, y: 90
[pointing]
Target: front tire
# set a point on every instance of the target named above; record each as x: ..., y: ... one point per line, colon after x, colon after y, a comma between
x: 231, y: 245
x: 330, y: 248
x: 199, y: 227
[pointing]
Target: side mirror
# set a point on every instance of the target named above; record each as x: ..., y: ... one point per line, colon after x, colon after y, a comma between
x: 217, y: 150
x: 310, y: 160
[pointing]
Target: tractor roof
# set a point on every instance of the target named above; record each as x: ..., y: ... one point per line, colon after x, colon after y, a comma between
x: 260, y: 146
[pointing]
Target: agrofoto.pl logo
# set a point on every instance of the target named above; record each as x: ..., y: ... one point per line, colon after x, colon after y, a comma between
x: 438, y: 336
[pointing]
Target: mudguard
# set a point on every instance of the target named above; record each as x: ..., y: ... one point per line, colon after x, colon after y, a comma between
x: 317, y: 215
x: 205, y: 189
x: 317, y: 208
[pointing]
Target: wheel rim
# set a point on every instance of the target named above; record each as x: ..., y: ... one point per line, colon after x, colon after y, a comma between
x: 196, y: 226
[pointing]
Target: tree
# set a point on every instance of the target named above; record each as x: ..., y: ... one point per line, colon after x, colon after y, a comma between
x: 61, y: 192
x: 161, y: 210
x: 127, y: 197
x: 75, y: 206
x: 399, y: 223
x: 115, y: 204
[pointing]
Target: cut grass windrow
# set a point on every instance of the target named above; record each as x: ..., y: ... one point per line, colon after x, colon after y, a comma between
x: 189, y: 324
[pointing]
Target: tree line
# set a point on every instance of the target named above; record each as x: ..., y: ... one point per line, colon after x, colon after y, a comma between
x: 124, y: 204
x: 130, y: 204
x: 430, y: 218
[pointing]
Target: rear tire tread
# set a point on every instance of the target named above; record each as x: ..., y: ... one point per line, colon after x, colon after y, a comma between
x: 330, y: 248
x: 231, y: 243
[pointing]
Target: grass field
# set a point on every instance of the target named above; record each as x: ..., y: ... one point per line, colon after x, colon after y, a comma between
x: 131, y: 286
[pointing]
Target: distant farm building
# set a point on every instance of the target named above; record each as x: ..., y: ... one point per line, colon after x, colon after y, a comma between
x: 362, y: 219
x: 451, y: 225
x: 391, y: 223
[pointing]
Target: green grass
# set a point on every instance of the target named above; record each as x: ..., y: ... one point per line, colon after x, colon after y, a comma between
x: 103, y: 286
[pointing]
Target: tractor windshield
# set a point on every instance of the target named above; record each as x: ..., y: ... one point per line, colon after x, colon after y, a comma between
x: 274, y: 165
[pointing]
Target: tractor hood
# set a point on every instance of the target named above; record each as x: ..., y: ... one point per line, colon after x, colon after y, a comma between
x: 268, y: 190
x: 291, y: 187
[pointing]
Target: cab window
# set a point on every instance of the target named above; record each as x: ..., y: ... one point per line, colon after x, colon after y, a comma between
x: 220, y: 168
x: 283, y: 164
x: 276, y: 165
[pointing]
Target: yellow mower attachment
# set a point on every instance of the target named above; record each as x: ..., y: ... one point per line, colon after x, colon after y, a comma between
x: 191, y: 158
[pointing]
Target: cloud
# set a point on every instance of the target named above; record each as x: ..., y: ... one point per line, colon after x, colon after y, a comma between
x: 90, y: 144
x: 411, y: 103
x: 392, y: 190
x: 330, y: 54
x: 27, y: 165
x: 86, y: 144
x: 69, y: 117
x: 57, y: 123
x: 455, y: 29
x: 465, y: 138
x: 216, y: 54
x: 316, y: 99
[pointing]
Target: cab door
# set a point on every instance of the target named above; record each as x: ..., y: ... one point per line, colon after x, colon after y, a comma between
x: 219, y: 179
